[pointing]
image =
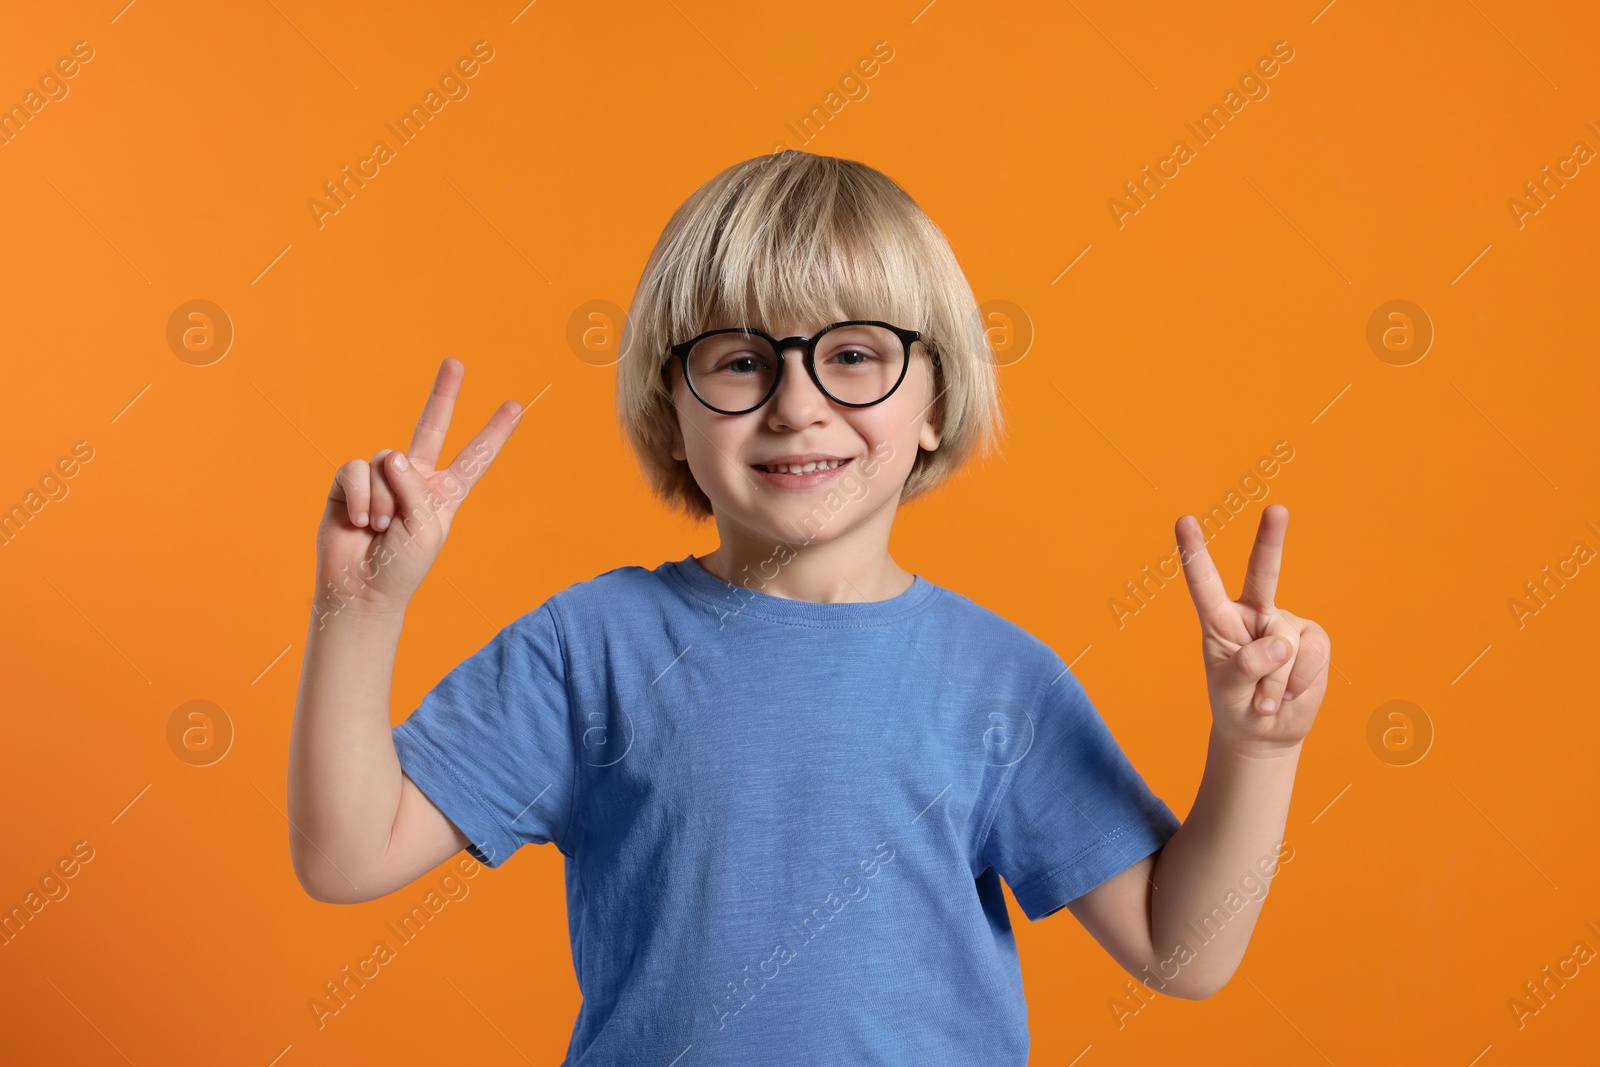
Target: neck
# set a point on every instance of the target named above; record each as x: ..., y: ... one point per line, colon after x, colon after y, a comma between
x: 851, y: 568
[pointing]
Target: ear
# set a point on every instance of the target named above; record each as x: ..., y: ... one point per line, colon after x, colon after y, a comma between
x: 932, y: 431
x: 677, y: 450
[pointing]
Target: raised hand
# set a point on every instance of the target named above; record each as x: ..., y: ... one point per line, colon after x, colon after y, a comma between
x: 387, y: 519
x: 1260, y: 703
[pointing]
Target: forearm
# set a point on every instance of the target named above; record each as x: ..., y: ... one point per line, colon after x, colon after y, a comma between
x: 1211, y: 877
x: 344, y: 775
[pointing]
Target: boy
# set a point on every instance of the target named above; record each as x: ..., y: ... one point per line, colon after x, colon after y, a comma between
x: 787, y: 776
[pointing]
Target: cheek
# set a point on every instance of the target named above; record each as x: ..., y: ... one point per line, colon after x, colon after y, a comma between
x: 891, y: 446
x: 709, y: 443
x: 692, y: 428
x: 900, y: 423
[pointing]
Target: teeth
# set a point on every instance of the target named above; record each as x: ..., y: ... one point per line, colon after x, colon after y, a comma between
x: 801, y: 468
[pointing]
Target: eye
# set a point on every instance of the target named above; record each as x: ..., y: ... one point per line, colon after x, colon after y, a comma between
x: 741, y: 363
x: 856, y: 357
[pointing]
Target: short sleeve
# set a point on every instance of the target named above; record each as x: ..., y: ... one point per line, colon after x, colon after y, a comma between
x: 1074, y: 811
x: 492, y: 745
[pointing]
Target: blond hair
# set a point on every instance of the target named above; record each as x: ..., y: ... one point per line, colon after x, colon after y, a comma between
x: 795, y: 236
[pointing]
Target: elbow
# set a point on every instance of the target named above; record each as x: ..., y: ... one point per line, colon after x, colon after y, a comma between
x: 321, y: 895
x: 320, y: 890
x: 1198, y: 987
x: 1183, y: 982
x: 1195, y: 992
x: 309, y: 886
x: 320, y: 898
x: 315, y: 893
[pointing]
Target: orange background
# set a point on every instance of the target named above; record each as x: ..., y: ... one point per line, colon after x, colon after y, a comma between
x: 1227, y: 315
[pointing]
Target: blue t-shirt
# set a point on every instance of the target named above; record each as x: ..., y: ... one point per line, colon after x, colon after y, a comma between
x: 785, y: 822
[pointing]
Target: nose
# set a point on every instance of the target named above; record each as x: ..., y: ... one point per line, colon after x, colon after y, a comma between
x: 798, y: 402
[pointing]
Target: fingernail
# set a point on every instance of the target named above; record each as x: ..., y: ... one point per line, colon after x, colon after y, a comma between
x: 1269, y: 704
x: 381, y: 523
x: 1279, y: 650
x: 361, y: 518
x: 400, y: 461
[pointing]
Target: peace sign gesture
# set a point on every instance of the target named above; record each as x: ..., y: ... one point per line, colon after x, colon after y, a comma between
x: 387, y: 519
x: 1261, y: 703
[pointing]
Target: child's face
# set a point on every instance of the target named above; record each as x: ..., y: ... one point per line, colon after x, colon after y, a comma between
x: 879, y: 443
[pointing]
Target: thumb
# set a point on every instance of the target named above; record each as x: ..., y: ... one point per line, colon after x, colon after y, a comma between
x: 416, y: 504
x: 1245, y: 668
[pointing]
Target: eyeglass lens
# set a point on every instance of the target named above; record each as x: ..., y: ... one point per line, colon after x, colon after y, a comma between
x: 857, y: 365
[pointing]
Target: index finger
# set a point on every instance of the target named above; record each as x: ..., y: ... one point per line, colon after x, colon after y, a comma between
x: 470, y: 463
x: 1205, y: 584
x: 1261, y: 576
x: 429, y: 436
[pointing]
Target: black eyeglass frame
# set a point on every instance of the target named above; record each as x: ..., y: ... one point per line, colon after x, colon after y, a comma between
x: 809, y: 344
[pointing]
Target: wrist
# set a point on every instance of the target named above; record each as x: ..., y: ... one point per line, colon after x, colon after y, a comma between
x: 1259, y: 749
x: 331, y: 605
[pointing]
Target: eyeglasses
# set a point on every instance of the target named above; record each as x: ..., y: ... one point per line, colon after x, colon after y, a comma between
x: 857, y: 363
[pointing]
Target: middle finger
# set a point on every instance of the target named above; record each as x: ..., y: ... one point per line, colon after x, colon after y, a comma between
x: 1266, y: 557
x: 429, y: 436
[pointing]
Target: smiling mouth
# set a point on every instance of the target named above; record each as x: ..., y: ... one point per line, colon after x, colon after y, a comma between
x: 799, y: 468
